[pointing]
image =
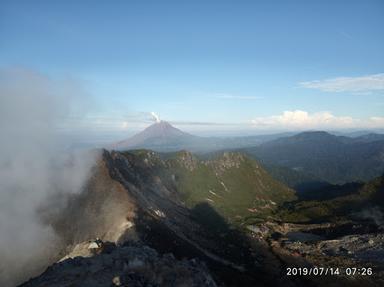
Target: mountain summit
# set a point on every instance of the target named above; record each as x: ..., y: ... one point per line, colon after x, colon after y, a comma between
x: 160, y: 129
x: 160, y: 134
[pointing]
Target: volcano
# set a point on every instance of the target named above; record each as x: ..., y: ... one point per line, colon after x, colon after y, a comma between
x: 160, y: 136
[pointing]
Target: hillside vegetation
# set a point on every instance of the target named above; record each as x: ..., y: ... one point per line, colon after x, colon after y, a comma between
x: 234, y: 184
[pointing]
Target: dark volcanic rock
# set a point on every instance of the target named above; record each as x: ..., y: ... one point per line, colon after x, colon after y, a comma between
x: 133, y: 266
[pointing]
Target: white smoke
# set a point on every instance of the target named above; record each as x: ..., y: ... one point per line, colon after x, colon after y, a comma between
x: 32, y: 168
x: 375, y: 214
x: 155, y: 117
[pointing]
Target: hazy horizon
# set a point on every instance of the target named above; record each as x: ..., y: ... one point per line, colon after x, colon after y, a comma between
x: 99, y: 139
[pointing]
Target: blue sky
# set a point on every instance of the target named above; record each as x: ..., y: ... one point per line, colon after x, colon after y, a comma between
x: 247, y: 65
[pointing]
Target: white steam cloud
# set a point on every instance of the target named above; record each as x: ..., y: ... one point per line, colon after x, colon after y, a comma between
x: 32, y: 168
x: 156, y: 118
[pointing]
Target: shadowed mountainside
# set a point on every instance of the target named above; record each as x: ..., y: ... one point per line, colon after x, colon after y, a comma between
x: 335, y: 203
x: 335, y: 159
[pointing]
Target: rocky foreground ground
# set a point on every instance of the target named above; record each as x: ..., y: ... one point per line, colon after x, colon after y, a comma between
x: 345, y: 245
x: 131, y: 265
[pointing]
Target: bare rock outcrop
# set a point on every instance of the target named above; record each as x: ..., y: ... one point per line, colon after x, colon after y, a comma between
x: 131, y: 265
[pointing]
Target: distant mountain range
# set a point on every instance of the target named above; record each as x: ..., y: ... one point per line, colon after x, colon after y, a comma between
x: 295, y: 159
x: 163, y: 137
x: 336, y: 159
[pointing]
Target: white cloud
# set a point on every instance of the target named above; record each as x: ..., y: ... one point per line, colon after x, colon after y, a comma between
x: 361, y: 84
x: 377, y: 121
x: 298, y: 119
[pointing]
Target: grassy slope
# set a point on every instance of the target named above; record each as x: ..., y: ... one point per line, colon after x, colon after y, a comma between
x: 235, y: 185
